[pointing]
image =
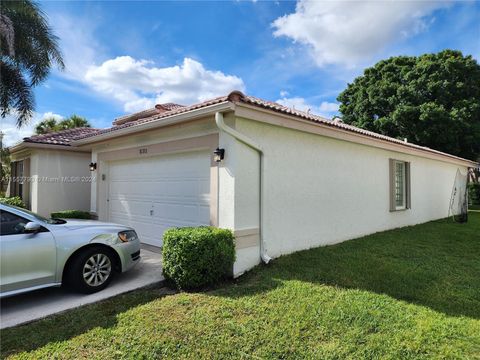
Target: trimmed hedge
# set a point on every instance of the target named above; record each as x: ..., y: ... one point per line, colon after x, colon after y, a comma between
x: 474, y: 194
x: 15, y: 201
x: 196, y: 257
x: 71, y: 214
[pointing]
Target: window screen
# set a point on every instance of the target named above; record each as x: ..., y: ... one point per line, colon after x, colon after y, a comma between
x: 400, y: 185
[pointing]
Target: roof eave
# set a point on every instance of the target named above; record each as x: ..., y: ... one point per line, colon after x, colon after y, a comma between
x: 380, y: 143
x: 31, y: 145
x: 161, y: 122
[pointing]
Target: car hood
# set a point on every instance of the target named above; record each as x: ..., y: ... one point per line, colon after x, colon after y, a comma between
x: 73, y: 224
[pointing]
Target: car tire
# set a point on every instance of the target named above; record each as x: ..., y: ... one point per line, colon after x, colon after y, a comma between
x: 91, y: 270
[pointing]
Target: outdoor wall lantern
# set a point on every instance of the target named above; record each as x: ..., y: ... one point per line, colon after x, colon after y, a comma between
x: 218, y: 155
x: 93, y: 166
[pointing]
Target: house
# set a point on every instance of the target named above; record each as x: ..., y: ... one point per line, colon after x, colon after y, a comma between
x: 49, y: 174
x: 284, y: 180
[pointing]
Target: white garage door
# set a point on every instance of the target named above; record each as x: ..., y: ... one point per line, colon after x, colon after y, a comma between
x: 156, y: 193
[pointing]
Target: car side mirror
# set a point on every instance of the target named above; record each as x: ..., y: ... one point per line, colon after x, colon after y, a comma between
x: 32, y: 227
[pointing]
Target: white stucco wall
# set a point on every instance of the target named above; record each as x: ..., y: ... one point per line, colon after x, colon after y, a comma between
x: 320, y: 190
x: 71, y: 190
x: 239, y: 190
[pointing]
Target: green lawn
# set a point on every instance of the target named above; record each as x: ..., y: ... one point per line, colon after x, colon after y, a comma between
x: 403, y: 294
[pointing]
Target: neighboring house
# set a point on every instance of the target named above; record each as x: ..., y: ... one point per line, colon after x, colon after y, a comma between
x: 289, y: 180
x: 49, y: 174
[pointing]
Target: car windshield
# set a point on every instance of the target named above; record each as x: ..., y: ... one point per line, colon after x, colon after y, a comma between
x: 38, y: 217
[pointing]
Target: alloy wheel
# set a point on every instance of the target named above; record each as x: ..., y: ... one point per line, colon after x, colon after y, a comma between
x: 97, y: 269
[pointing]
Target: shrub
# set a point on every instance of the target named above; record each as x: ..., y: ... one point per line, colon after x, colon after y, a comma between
x: 195, y: 257
x: 474, y: 193
x: 15, y: 201
x: 71, y: 214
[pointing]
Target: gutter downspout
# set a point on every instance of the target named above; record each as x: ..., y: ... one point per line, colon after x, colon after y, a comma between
x: 245, y: 140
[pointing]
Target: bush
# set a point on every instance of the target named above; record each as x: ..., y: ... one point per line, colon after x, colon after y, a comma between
x: 71, y: 214
x: 15, y: 201
x: 474, y: 194
x: 195, y: 257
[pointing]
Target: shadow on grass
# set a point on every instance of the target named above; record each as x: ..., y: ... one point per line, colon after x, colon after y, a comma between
x: 71, y: 323
x: 436, y: 264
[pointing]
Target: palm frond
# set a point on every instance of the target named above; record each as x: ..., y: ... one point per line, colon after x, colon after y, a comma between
x: 36, y: 50
x: 47, y: 126
x: 15, y: 93
x: 7, y: 34
x: 28, y: 50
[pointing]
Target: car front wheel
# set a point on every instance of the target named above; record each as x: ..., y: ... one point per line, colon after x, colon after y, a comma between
x: 92, y: 270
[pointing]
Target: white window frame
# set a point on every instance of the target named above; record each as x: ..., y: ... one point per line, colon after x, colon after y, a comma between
x: 404, y: 185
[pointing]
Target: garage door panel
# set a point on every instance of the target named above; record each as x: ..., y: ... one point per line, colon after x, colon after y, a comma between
x: 181, y: 212
x: 121, y: 189
x: 130, y: 207
x: 182, y: 189
x: 204, y: 214
x: 157, y: 193
x: 142, y: 223
x: 204, y: 187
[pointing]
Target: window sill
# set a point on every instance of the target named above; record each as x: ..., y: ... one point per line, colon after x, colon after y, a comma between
x: 399, y: 210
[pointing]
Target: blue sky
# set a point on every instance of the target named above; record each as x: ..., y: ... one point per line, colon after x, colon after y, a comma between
x: 126, y: 56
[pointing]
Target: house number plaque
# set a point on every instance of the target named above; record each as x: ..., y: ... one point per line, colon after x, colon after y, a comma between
x: 143, y: 151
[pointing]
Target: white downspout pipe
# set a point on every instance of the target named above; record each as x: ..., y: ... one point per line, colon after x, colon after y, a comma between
x: 250, y: 143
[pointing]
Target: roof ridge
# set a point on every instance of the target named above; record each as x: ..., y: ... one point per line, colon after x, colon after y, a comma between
x: 181, y: 109
x: 158, y: 108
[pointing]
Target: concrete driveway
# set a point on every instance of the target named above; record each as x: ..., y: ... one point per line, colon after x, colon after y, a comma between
x: 38, y: 304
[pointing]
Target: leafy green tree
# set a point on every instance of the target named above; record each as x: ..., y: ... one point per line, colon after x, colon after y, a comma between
x: 432, y: 100
x: 28, y: 50
x: 51, y: 124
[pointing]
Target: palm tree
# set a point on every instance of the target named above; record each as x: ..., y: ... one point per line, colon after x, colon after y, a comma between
x: 28, y: 49
x: 46, y: 126
x: 51, y: 124
x: 74, y: 121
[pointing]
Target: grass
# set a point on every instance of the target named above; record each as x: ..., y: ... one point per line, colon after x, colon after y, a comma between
x: 410, y: 293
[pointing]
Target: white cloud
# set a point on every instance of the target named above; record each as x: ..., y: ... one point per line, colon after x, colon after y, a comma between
x: 350, y: 32
x: 49, y: 114
x: 77, y: 43
x: 325, y: 109
x: 135, y: 84
x: 139, y: 84
x: 13, y: 135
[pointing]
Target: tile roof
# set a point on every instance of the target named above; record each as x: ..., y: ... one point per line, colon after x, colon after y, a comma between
x: 132, y: 117
x: 63, y: 137
x: 158, y: 109
x: 169, y: 106
x: 335, y: 123
x: 239, y: 97
x: 157, y: 116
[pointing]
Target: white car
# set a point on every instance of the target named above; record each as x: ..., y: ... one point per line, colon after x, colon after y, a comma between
x: 85, y: 254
